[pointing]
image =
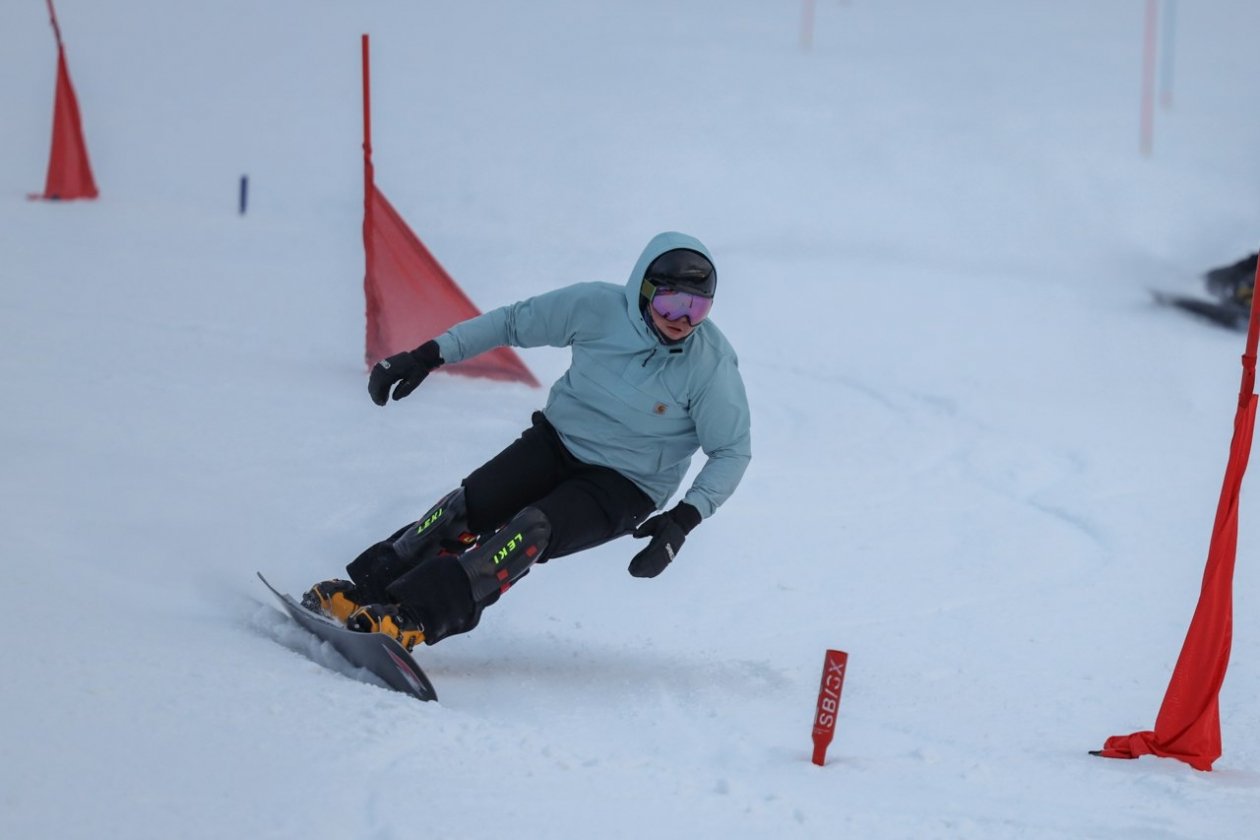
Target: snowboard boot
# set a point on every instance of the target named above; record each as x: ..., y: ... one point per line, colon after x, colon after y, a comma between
x: 336, y: 599
x: 387, y: 619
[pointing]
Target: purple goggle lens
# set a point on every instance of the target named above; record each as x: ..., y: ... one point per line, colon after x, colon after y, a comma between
x: 672, y: 305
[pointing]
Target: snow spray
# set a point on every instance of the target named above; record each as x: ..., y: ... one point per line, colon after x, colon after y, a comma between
x: 834, y: 666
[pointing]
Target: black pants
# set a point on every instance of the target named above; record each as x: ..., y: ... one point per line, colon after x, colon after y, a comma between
x: 586, y: 505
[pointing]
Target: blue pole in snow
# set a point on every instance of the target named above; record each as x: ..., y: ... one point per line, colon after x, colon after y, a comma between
x: 244, y: 192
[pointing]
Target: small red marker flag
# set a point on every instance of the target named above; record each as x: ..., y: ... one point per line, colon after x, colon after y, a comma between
x: 834, y: 666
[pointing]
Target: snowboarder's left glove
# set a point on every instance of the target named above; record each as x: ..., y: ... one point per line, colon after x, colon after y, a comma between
x: 408, y: 369
x: 668, y: 532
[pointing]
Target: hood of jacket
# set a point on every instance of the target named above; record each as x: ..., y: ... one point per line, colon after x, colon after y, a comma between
x: 658, y: 245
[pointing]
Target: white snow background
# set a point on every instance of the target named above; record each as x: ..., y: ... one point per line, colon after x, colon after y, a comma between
x: 984, y: 463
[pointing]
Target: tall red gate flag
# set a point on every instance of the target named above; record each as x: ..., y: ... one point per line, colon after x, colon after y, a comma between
x: 410, y: 297
x: 1188, y: 726
x: 69, y: 173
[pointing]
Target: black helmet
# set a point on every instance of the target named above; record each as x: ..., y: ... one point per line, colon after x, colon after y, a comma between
x: 679, y: 269
x: 683, y: 270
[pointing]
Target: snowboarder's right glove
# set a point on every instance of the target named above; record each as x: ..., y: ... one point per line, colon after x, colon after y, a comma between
x: 668, y: 532
x: 407, y: 369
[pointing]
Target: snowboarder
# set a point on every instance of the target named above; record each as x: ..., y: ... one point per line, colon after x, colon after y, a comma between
x: 652, y: 380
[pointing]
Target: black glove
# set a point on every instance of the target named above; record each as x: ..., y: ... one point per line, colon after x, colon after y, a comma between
x: 668, y: 532
x: 407, y: 369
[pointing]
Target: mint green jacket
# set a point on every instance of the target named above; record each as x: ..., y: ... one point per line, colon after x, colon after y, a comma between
x: 628, y: 401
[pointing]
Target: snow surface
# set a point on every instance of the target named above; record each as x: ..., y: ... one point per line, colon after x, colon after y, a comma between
x: 984, y: 464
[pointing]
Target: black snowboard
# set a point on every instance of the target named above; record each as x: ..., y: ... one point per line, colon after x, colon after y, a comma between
x: 1224, y: 314
x: 375, y: 652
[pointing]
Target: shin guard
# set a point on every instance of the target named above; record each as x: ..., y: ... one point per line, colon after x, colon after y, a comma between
x: 445, y: 525
x: 502, y: 559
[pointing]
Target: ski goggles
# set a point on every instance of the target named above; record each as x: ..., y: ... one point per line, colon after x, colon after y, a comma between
x: 672, y: 305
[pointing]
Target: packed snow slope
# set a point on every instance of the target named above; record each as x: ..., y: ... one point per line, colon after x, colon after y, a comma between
x: 984, y: 464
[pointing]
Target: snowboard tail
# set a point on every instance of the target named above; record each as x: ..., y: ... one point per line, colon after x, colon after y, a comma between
x: 375, y: 652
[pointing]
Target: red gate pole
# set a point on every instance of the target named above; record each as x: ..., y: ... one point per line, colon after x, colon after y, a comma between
x: 371, y: 298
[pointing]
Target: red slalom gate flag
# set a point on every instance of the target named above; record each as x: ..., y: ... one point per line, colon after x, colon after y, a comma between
x: 69, y: 172
x: 834, y: 666
x: 410, y: 297
x: 1188, y: 727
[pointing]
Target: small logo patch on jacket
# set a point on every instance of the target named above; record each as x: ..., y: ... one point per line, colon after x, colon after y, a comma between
x: 660, y: 408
